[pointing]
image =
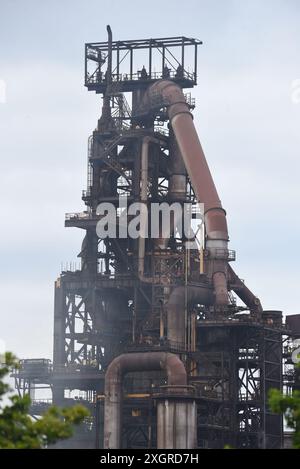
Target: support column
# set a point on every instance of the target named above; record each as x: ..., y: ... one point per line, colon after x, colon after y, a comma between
x: 58, y: 336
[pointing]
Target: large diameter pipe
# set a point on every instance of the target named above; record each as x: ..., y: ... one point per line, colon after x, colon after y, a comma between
x: 163, y: 239
x: 194, y: 159
x: 115, y: 373
x: 177, y: 183
x: 144, y: 199
x: 191, y: 150
x: 176, y: 423
x: 180, y: 298
x: 244, y: 293
x: 176, y: 191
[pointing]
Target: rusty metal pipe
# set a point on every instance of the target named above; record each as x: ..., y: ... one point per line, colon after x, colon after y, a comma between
x: 177, y: 183
x: 180, y: 298
x: 195, y: 162
x: 244, y: 293
x: 132, y: 362
x: 144, y: 199
x: 177, y: 188
x: 144, y: 211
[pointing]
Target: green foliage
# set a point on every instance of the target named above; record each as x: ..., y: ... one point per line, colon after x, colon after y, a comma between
x: 289, y: 406
x: 20, y: 431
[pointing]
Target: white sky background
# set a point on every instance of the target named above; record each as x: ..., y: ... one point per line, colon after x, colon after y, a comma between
x: 245, y: 117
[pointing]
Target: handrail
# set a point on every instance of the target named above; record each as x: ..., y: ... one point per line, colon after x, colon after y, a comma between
x: 98, y: 78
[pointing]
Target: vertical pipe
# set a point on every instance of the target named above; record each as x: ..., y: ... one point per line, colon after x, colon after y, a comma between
x: 118, y: 62
x: 143, y: 208
x: 195, y: 65
x: 134, y: 315
x: 59, y: 321
x: 180, y: 298
x: 143, y: 197
x: 97, y: 422
x: 201, y: 179
x: 131, y: 62
x: 201, y: 260
x: 115, y: 373
x: 109, y: 59
x: 150, y: 422
x: 85, y: 65
x: 150, y: 59
x: 193, y: 332
x: 178, y: 178
x: 176, y: 424
x: 161, y: 324
x: 105, y: 120
x: 58, y: 338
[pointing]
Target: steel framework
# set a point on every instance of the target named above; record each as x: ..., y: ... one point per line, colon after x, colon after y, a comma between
x: 105, y: 308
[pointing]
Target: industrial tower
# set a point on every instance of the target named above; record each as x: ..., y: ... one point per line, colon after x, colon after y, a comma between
x: 148, y: 330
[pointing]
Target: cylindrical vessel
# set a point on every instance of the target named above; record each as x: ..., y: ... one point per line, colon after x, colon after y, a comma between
x: 176, y: 423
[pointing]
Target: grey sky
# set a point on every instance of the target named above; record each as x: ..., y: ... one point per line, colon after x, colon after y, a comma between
x: 246, y: 120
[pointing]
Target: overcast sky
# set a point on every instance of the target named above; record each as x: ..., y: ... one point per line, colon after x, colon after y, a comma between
x: 247, y: 117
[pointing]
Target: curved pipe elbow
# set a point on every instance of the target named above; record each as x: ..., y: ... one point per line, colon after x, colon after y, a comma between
x: 192, y: 153
x: 147, y: 362
x: 243, y: 292
x: 197, y: 168
x: 151, y: 361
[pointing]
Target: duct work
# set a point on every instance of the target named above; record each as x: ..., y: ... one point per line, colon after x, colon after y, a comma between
x: 139, y: 307
x: 187, y: 156
x: 178, y: 179
x: 178, y: 418
x: 197, y: 168
x: 178, y: 300
x: 163, y: 239
x: 187, y: 149
x: 244, y: 293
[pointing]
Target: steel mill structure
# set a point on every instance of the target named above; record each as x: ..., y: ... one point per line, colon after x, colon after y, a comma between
x: 147, y: 331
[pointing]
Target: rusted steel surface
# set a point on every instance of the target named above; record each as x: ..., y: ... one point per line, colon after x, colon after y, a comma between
x: 126, y: 363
